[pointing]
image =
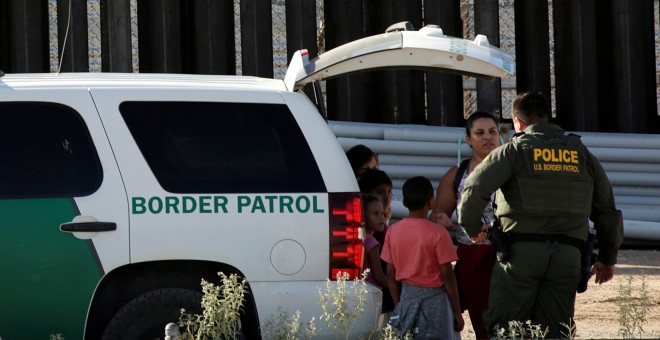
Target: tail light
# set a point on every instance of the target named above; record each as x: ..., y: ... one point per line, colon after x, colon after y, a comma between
x: 346, y: 235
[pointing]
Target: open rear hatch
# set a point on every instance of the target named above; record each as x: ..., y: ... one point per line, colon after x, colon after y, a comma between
x: 426, y: 49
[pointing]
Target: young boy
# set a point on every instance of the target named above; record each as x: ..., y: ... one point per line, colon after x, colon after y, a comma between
x: 419, y: 253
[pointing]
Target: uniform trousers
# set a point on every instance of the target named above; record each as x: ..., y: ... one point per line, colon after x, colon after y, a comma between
x: 538, y: 283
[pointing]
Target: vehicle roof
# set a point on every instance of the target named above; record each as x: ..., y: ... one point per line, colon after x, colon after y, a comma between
x: 138, y: 80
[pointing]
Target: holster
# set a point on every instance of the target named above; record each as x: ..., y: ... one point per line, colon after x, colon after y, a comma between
x: 500, y: 241
x: 587, y: 260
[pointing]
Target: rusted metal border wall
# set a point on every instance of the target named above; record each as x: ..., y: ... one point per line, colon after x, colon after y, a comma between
x: 604, y: 65
x: 116, y: 37
x: 604, y: 51
x: 74, y: 36
x: 24, y: 36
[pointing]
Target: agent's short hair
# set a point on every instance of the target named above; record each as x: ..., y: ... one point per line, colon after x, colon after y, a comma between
x: 416, y: 192
x: 372, y: 178
x: 531, y: 108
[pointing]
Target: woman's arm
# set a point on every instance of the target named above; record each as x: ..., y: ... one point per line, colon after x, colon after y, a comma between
x: 445, y: 199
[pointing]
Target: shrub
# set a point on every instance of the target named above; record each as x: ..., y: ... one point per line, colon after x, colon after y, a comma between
x: 221, y: 305
x: 520, y: 330
x: 339, y: 312
x: 633, y: 308
x: 285, y: 327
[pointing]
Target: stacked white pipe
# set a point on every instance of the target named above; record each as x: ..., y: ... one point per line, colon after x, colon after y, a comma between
x: 632, y: 163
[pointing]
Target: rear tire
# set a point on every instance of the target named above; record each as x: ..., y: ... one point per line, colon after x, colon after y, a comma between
x: 145, y: 317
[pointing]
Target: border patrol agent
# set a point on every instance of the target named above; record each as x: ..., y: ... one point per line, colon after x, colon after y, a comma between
x: 547, y: 186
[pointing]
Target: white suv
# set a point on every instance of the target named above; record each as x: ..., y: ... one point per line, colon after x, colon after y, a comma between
x: 120, y: 192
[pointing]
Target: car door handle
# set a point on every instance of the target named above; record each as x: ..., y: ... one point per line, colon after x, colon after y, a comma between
x: 87, y: 224
x: 89, y: 227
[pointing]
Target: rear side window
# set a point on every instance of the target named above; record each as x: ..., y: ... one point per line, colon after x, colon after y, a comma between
x: 196, y: 147
x: 46, y: 152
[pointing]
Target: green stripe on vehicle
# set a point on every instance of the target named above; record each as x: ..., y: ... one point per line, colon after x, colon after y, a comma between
x: 47, y: 277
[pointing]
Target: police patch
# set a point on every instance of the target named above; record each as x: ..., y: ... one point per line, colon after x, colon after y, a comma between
x: 555, y: 160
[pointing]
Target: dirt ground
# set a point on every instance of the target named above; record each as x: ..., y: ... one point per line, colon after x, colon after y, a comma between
x: 597, y: 310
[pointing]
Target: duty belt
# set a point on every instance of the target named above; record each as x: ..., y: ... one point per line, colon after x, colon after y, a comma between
x: 563, y: 239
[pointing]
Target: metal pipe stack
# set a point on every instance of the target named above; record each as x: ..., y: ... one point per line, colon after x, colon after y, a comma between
x: 632, y: 162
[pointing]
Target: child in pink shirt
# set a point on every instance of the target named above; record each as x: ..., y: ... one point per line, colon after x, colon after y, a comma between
x: 374, y: 221
x: 419, y: 253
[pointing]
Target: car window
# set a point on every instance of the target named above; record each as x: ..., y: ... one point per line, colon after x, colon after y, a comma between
x: 195, y: 147
x: 46, y: 152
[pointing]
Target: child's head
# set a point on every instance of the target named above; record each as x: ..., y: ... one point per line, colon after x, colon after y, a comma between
x: 361, y: 159
x: 374, y: 214
x: 417, y: 192
x: 377, y: 182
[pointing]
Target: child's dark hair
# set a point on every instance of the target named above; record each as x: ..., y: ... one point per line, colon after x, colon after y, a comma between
x: 359, y: 155
x: 372, y: 178
x: 416, y: 192
x: 370, y: 198
x: 469, y: 122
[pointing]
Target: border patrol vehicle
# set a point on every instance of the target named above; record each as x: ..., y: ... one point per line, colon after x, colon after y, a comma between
x: 120, y: 192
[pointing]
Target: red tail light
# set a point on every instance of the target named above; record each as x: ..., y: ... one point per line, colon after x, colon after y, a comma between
x: 346, y: 235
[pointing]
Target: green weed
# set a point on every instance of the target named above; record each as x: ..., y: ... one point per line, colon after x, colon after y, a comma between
x: 390, y: 333
x: 634, y: 305
x: 221, y: 305
x: 340, y: 312
x: 520, y: 330
x: 285, y: 327
x: 571, y: 330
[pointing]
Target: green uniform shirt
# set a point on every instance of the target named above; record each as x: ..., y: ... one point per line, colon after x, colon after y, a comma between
x: 546, y: 182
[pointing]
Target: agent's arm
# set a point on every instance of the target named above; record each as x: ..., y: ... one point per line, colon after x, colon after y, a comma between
x: 486, y: 178
x: 608, y: 222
